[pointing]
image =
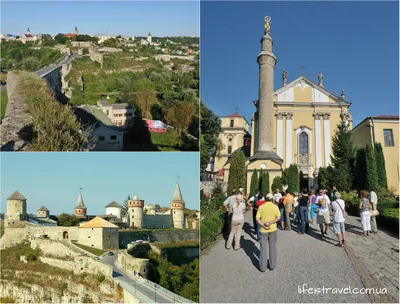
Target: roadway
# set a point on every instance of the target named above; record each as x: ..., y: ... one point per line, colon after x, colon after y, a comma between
x: 134, y: 286
x: 48, y: 69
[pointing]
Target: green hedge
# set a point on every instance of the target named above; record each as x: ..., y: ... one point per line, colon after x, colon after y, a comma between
x: 210, y: 228
x: 389, y: 218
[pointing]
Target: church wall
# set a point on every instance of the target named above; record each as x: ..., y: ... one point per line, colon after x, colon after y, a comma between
x: 157, y: 221
x: 304, y: 95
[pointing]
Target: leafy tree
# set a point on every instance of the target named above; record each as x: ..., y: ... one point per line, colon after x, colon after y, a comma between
x: 181, y: 115
x: 112, y: 42
x: 371, y: 180
x: 342, y: 158
x: 254, y: 182
x: 60, y: 38
x: 276, y: 184
x: 30, y: 64
x: 237, y: 172
x: 210, y: 127
x: 144, y: 101
x: 67, y: 220
x: 380, y: 166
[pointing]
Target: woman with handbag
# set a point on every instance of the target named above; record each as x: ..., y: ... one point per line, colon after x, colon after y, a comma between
x: 339, y: 215
x: 365, y: 213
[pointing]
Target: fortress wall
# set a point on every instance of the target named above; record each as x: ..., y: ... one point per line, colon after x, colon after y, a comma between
x: 127, y: 236
x: 110, y: 238
x: 129, y: 263
x: 157, y: 221
x: 91, y: 237
x: 54, y: 248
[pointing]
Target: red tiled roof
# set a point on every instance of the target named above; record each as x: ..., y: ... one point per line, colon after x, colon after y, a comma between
x: 236, y: 114
x: 69, y: 35
x: 385, y: 117
x: 28, y: 35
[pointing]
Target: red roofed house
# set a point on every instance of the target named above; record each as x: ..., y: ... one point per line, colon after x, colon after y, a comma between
x: 69, y: 35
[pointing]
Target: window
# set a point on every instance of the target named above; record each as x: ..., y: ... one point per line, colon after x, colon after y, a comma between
x: 101, y: 138
x: 303, y: 143
x: 388, y: 137
x: 232, y: 123
x: 113, y: 137
x: 229, y: 149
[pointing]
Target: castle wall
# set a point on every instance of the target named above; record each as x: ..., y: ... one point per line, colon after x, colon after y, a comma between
x: 110, y: 238
x: 178, y: 218
x: 16, y: 210
x: 127, y: 236
x: 157, y: 221
x: 129, y: 263
x: 92, y: 237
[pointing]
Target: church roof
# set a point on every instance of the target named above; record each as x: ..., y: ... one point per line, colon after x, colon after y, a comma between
x: 17, y: 196
x: 267, y: 155
x: 98, y: 222
x: 236, y: 114
x: 313, y: 85
x: 177, y: 195
x: 386, y: 117
x: 80, y: 204
x: 43, y: 208
x: 114, y: 204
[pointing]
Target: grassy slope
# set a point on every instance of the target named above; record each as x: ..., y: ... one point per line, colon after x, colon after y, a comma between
x: 92, y: 250
x: 3, y: 103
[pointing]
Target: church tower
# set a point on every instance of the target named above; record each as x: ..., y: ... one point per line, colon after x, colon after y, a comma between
x: 135, y: 212
x: 80, y: 208
x: 76, y: 30
x: 178, y: 208
x: 264, y: 116
x: 149, y: 38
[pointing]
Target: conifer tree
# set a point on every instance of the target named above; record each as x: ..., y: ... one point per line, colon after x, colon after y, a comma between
x: 360, y: 172
x: 265, y: 184
x: 342, y: 158
x: 380, y: 166
x: 237, y: 172
x: 254, y: 182
x: 293, y: 179
x: 260, y: 180
x: 276, y: 184
x: 371, y: 176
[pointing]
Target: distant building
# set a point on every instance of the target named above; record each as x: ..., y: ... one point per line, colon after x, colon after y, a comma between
x: 382, y: 129
x: 16, y: 209
x: 99, y: 233
x: 121, y: 114
x: 43, y: 212
x: 115, y: 209
x: 149, y: 38
x: 80, y: 208
x: 72, y: 35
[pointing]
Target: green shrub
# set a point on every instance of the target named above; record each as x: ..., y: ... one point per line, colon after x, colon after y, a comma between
x: 210, y: 229
x: 30, y: 257
x: 7, y: 300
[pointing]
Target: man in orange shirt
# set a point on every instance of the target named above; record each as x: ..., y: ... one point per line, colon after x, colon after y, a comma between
x: 288, y: 202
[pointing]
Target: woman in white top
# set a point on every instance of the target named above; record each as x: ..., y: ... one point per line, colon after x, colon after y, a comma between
x: 238, y: 209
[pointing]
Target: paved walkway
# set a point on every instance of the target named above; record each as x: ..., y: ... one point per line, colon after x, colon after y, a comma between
x: 233, y: 276
x: 379, y: 254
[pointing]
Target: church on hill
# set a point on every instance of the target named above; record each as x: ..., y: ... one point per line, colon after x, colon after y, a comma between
x: 291, y: 125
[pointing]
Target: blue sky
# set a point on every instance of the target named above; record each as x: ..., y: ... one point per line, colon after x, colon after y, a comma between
x: 165, y: 18
x: 54, y: 179
x: 354, y: 44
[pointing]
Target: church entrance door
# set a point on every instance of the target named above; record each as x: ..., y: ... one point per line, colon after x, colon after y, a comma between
x: 304, y: 183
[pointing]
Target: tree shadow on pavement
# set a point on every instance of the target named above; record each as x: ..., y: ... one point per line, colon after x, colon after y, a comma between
x: 248, y: 229
x: 252, y: 252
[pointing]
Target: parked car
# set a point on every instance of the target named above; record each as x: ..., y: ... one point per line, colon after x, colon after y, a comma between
x: 97, y: 258
x: 139, y: 241
x: 110, y: 253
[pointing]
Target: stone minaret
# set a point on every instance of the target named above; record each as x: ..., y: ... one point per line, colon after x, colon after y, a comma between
x: 135, y: 212
x: 80, y: 208
x: 178, y: 208
x: 266, y: 60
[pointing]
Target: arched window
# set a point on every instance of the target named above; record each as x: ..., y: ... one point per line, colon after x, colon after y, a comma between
x: 303, y: 143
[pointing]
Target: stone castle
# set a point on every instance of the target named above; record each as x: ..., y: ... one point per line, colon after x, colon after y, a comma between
x: 94, y: 231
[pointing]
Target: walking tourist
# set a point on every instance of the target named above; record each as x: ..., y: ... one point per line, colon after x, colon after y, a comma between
x: 323, y: 217
x: 373, y: 198
x: 288, y: 202
x: 230, y: 200
x: 277, y: 196
x: 296, y: 208
x: 303, y: 211
x: 251, y: 203
x: 267, y: 216
x: 365, y: 213
x: 281, y: 207
x: 313, y: 206
x: 338, y: 212
x: 238, y: 209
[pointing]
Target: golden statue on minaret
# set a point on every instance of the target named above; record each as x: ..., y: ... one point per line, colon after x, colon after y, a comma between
x: 267, y: 26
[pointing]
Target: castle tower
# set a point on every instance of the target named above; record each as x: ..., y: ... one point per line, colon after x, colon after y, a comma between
x: 16, y: 209
x: 76, y: 30
x: 135, y: 212
x: 80, y: 208
x: 28, y: 31
x: 264, y: 116
x: 178, y: 208
x: 43, y: 212
x: 149, y: 38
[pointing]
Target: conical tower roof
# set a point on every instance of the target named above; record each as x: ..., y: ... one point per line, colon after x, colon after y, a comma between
x: 177, y: 195
x: 80, y: 204
x: 17, y: 196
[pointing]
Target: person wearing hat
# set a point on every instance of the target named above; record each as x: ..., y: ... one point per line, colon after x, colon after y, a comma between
x: 267, y: 216
x: 238, y: 209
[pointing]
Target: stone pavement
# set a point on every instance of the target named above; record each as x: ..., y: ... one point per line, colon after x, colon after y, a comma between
x: 379, y: 255
x: 233, y: 276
